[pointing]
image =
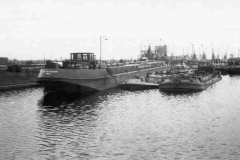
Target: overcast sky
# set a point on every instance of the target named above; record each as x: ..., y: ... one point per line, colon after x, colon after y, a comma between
x: 31, y: 28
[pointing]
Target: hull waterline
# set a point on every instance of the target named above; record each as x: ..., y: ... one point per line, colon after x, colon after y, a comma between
x: 186, y: 87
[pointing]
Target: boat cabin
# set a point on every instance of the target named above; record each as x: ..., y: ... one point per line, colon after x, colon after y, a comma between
x: 82, y: 57
x: 205, y: 64
x: 205, y: 67
x: 234, y: 61
x: 192, y: 63
x: 82, y: 60
x: 77, y: 61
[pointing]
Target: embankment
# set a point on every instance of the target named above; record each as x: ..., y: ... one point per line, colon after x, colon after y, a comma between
x: 14, y: 80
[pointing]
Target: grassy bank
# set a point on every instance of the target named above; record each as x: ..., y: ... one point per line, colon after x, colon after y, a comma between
x: 26, y: 76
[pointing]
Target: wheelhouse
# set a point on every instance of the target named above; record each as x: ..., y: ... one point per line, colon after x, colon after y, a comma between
x: 77, y: 61
x: 82, y: 57
x: 83, y: 60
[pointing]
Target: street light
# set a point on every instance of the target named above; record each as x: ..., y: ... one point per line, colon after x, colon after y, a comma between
x: 101, y: 46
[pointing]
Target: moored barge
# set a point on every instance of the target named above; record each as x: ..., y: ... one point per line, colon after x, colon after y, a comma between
x: 82, y: 73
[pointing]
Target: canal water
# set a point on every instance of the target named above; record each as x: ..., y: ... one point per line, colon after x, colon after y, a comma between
x: 122, y: 124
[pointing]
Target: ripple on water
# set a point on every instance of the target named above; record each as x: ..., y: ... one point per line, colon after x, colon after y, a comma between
x: 121, y: 124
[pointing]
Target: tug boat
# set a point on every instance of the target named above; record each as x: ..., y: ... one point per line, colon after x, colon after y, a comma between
x: 201, y: 79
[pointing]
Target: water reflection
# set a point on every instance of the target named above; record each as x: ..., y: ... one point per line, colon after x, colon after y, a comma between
x: 71, y: 128
x: 58, y: 99
x: 62, y: 99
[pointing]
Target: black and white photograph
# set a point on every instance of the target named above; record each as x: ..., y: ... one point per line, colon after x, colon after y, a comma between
x: 119, y: 80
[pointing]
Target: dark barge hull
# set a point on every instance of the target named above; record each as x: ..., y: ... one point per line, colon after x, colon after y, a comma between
x: 233, y: 70
x: 56, y: 85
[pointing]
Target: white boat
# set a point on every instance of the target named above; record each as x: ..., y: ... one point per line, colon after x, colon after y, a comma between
x: 150, y: 81
x: 138, y: 84
x: 179, y: 68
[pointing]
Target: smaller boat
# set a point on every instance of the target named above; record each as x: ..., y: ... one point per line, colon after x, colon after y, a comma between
x: 138, y: 84
x: 150, y: 81
x: 179, y: 68
x: 204, y: 76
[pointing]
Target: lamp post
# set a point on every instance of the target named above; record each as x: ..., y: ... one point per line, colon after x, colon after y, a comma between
x: 101, y: 46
